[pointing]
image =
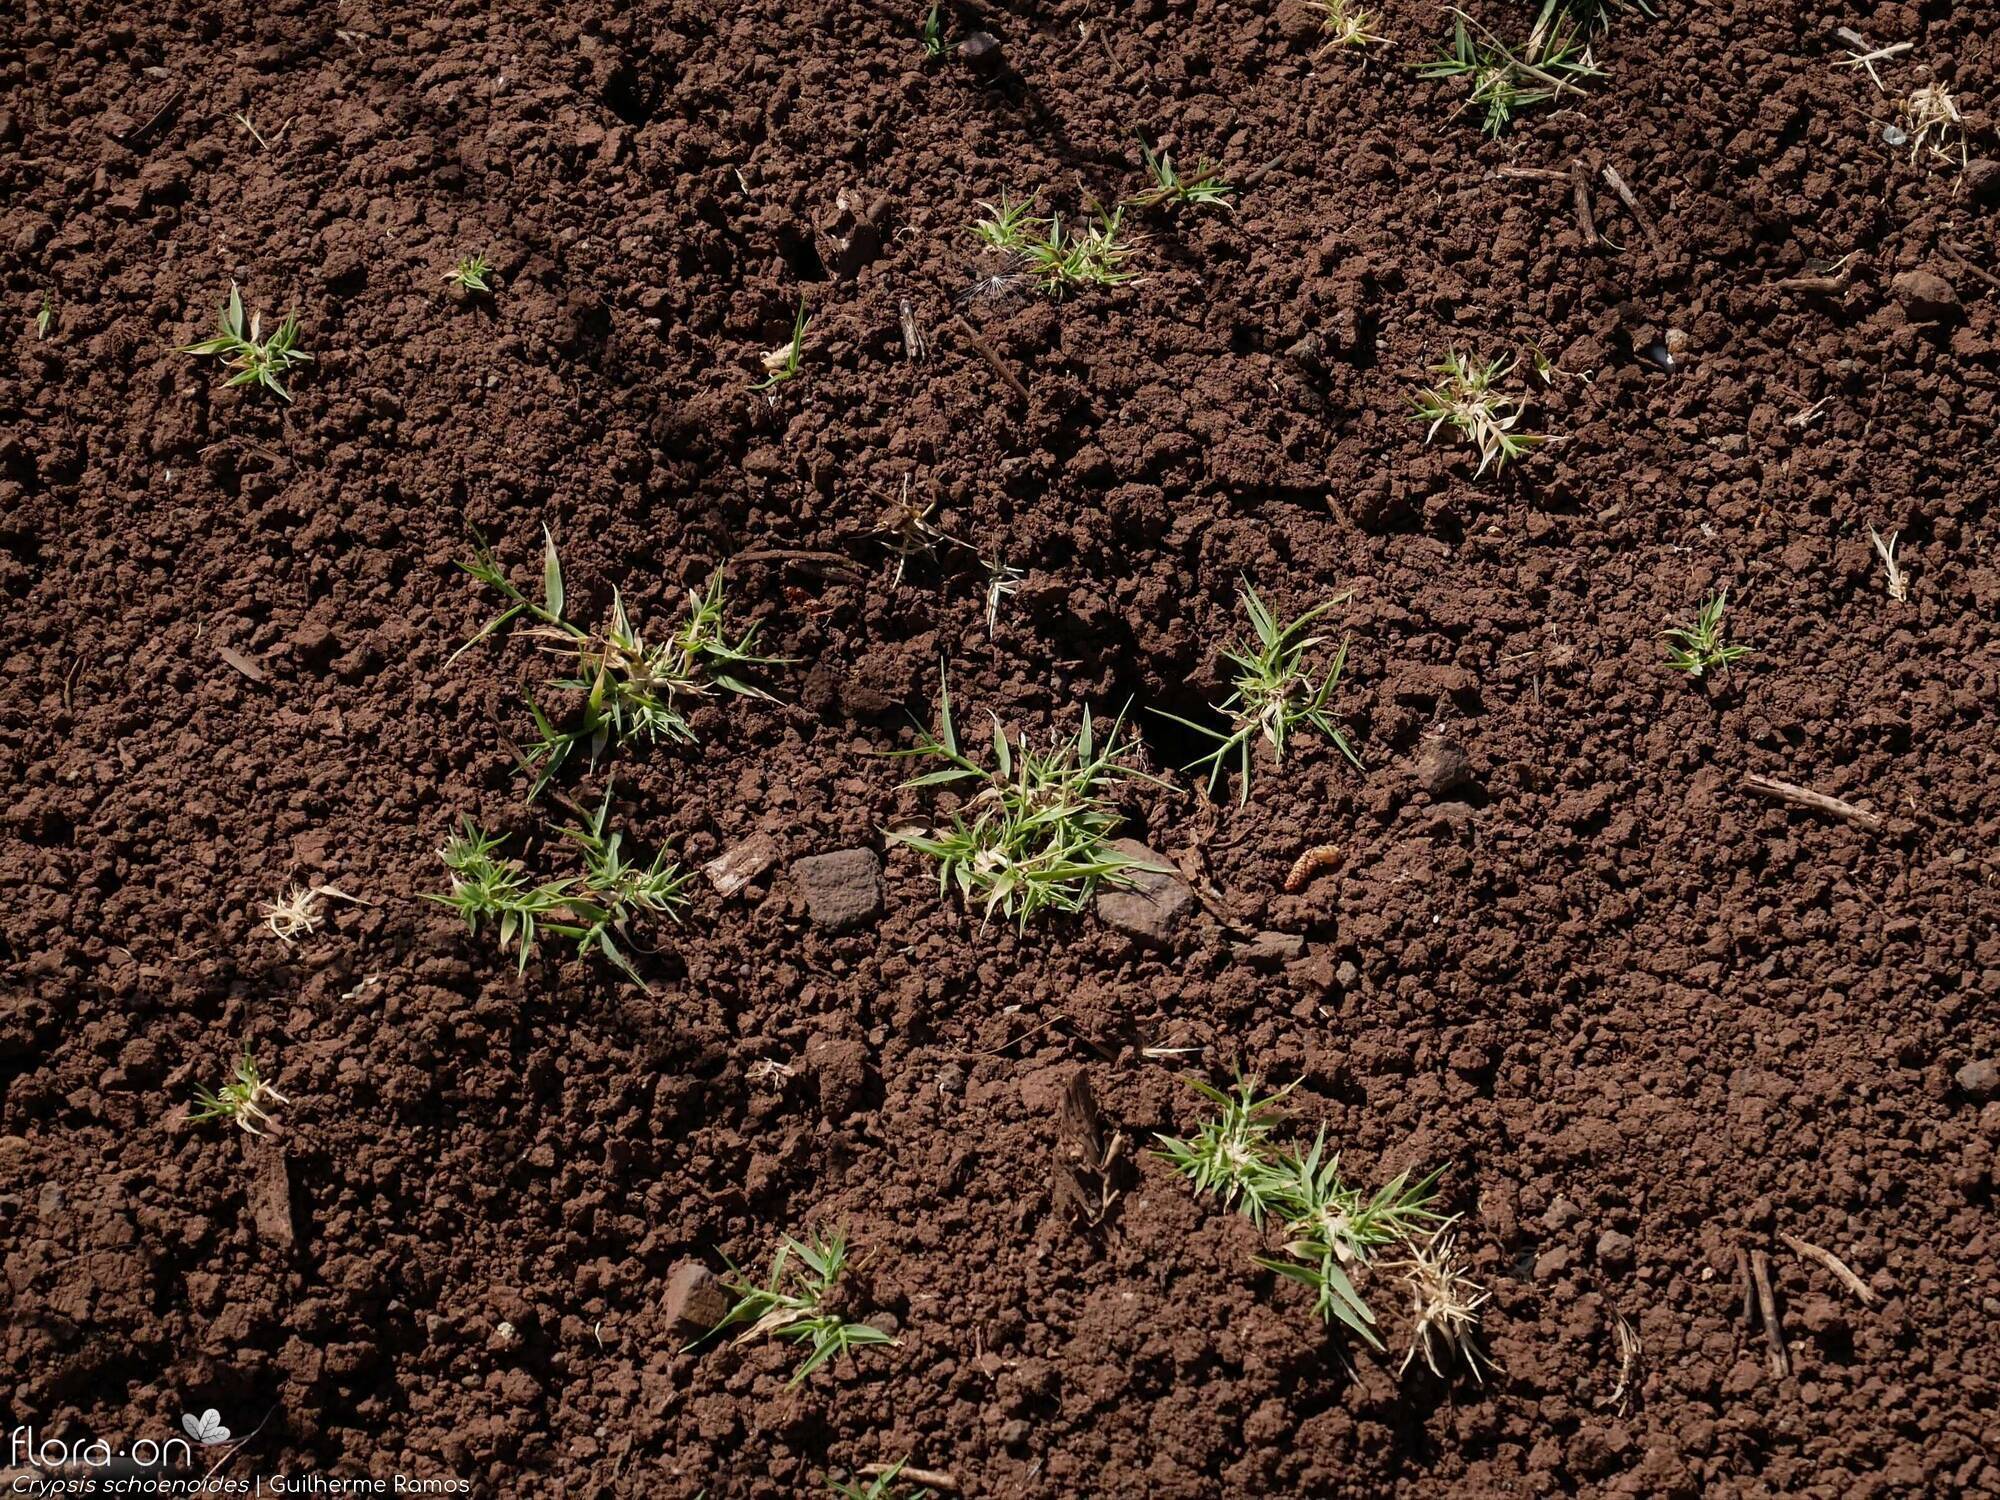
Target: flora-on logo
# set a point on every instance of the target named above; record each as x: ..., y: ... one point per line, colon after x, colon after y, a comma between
x: 206, y: 1429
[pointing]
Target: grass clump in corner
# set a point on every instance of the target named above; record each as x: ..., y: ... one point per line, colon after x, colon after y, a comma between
x: 1464, y: 399
x: 1274, y: 695
x: 791, y: 1303
x: 1090, y: 252
x: 1506, y: 80
x: 243, y: 348
x: 1036, y: 834
x: 1697, y: 648
x: 1331, y: 1229
x: 240, y: 1101
x: 594, y: 910
x: 628, y: 688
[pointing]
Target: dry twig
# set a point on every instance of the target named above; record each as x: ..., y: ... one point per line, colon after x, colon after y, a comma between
x: 992, y: 357
x: 1799, y: 796
x: 1767, y: 1306
x: 1834, y: 1264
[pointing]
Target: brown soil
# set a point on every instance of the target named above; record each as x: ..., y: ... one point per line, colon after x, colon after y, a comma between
x: 1649, y: 1021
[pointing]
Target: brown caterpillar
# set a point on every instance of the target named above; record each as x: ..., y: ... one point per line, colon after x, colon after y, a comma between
x: 1310, y: 863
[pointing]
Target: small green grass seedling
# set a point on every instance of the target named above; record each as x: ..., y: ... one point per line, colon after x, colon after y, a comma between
x: 473, y: 276
x: 594, y: 911
x: 783, y: 362
x: 1174, y: 189
x: 1328, y: 1225
x: 614, y: 891
x: 486, y: 888
x: 1506, y: 80
x: 240, y: 1101
x: 1696, y: 648
x: 882, y: 1487
x: 1059, y: 260
x: 45, y: 319
x: 1231, y: 1154
x: 1274, y: 694
x: 255, y: 359
x: 1345, y: 25
x: 1041, y: 822
x: 630, y: 690
x: 930, y: 32
x: 791, y: 1304
x: 1464, y: 399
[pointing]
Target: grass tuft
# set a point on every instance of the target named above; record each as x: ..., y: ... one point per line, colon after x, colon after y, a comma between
x: 1040, y: 823
x: 1274, y: 695
x: 1697, y: 648
x: 473, y: 275
x: 595, y: 910
x: 1506, y: 80
x: 930, y: 33
x: 1345, y: 25
x: 629, y: 689
x: 882, y: 1487
x: 1445, y: 1305
x: 1171, y: 188
x: 791, y: 1303
x: 1328, y: 1225
x: 1464, y: 399
x: 1058, y: 259
x: 244, y: 349
x: 240, y: 1101
x: 783, y: 363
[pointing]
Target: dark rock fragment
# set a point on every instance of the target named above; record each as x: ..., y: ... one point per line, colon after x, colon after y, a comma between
x: 1441, y: 766
x: 1152, y: 905
x: 1926, y: 297
x: 842, y: 889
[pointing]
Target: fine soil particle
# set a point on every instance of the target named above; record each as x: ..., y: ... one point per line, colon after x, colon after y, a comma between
x: 1648, y: 1023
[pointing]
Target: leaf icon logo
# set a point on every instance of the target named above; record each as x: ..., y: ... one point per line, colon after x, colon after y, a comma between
x: 206, y: 1429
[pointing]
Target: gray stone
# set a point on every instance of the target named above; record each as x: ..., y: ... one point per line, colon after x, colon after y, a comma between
x: 1980, y: 1078
x: 1152, y: 902
x: 842, y: 889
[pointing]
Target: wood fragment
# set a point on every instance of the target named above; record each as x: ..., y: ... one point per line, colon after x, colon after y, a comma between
x: 1767, y: 1305
x: 936, y: 1479
x: 1799, y: 796
x: 1822, y: 284
x: 914, y: 347
x: 1743, y: 1280
x: 992, y: 356
x: 1631, y: 201
x: 242, y: 663
x: 741, y: 863
x: 1834, y: 1264
x: 1532, y: 174
x: 130, y: 140
x: 1957, y: 257
x: 1586, y: 223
